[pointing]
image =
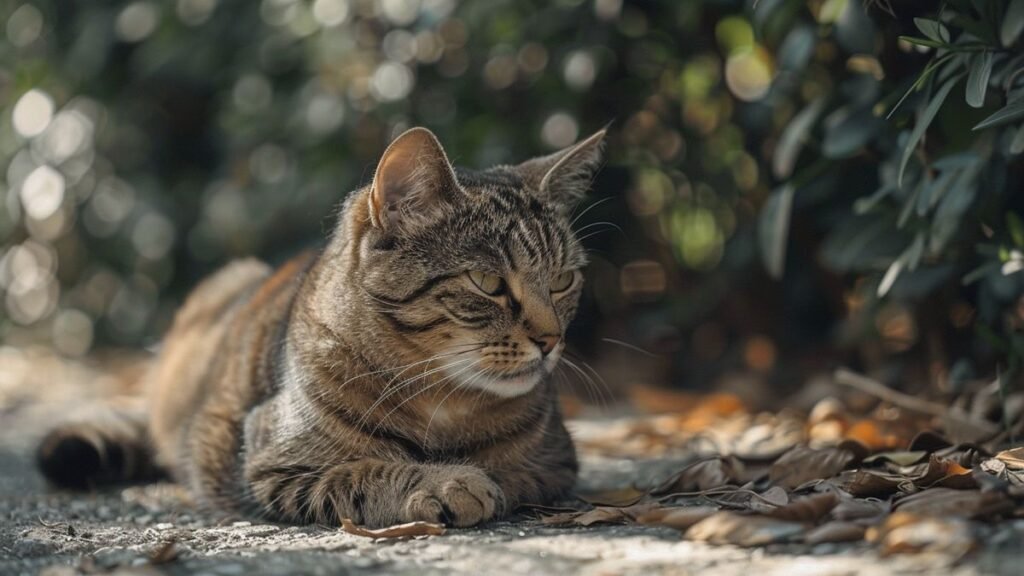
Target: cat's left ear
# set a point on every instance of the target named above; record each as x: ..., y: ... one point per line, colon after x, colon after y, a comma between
x: 413, y: 181
x: 565, y: 175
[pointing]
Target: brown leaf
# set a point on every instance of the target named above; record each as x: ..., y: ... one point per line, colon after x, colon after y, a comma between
x: 679, y: 518
x: 877, y: 435
x: 858, y: 509
x: 835, y: 531
x: 398, y: 531
x: 1013, y: 458
x: 904, y: 533
x: 802, y: 464
x: 929, y: 441
x: 703, y: 475
x: 946, y: 502
x: 903, y: 458
x: 620, y: 497
x: 869, y: 483
x: 599, y: 515
x: 768, y: 501
x: 945, y: 473
x: 732, y: 528
x: 809, y: 509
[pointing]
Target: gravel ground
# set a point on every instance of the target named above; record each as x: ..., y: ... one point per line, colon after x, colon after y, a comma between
x: 130, y: 530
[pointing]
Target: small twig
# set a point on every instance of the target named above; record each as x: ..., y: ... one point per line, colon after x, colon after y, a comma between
x: 875, y: 388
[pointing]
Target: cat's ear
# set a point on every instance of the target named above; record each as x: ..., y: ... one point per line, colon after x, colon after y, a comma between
x: 565, y: 175
x: 413, y: 180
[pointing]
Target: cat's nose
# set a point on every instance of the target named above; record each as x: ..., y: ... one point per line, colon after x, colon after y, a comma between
x: 546, y: 343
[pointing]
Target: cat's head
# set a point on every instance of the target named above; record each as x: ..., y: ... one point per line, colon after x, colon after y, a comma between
x: 479, y: 270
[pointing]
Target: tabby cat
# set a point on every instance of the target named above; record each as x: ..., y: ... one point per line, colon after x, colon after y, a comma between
x: 400, y: 374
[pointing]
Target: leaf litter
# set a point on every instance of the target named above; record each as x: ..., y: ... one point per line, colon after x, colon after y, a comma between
x: 890, y: 475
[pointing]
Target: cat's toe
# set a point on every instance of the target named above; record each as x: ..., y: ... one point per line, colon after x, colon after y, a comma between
x: 457, y: 501
x: 423, y: 506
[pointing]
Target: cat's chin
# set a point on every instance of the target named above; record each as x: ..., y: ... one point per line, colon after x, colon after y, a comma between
x: 507, y: 386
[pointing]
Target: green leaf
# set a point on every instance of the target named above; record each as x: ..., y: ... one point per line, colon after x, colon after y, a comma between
x: 773, y: 228
x: 792, y: 139
x: 980, y: 272
x: 1012, y: 111
x: 933, y: 29
x: 847, y: 131
x: 866, y: 204
x: 922, y: 124
x: 1016, y: 228
x: 1013, y: 23
x: 890, y: 276
x: 977, y: 79
x: 1017, y: 144
x: 924, y: 42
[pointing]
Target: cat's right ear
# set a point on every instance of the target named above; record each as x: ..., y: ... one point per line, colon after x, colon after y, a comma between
x: 413, y: 180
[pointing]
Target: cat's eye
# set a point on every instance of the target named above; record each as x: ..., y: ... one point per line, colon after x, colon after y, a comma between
x: 490, y: 284
x: 563, y: 281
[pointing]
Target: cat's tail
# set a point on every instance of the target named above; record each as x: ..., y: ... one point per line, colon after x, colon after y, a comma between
x: 99, y: 445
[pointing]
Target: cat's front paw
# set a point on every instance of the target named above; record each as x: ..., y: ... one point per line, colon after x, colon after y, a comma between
x: 461, y: 497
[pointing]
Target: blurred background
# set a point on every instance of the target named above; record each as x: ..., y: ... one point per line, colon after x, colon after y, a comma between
x: 791, y: 185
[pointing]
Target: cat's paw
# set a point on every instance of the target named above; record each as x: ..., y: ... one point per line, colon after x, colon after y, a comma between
x: 461, y: 497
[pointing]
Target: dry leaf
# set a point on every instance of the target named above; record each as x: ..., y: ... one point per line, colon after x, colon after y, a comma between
x: 732, y: 528
x: 946, y: 502
x: 599, y: 515
x: 398, y: 531
x: 859, y: 509
x: 660, y: 401
x: 697, y: 477
x: 945, y: 473
x: 929, y: 441
x: 769, y: 500
x: 802, y: 464
x: 905, y: 533
x: 679, y: 518
x: 869, y: 483
x: 620, y: 497
x: 810, y: 509
x: 903, y: 458
x: 835, y: 531
x: 1013, y: 458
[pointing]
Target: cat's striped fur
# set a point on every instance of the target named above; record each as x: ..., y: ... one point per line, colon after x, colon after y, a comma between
x: 375, y: 380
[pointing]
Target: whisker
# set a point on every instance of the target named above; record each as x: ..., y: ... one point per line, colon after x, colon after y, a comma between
x: 632, y: 347
x: 588, y: 209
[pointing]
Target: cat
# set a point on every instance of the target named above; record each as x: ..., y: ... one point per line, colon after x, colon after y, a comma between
x: 399, y: 374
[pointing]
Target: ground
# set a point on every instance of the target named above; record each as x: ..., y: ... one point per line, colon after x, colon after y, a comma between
x: 154, y: 529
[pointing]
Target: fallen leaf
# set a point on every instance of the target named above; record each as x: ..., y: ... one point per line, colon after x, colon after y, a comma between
x: 835, y: 531
x: 860, y: 509
x: 679, y: 518
x: 802, y: 464
x: 868, y: 483
x: 929, y: 441
x: 599, y: 515
x: 903, y: 458
x: 703, y: 475
x: 397, y: 531
x: 660, y: 401
x: 945, y: 473
x: 621, y: 497
x: 1013, y: 458
x: 904, y: 533
x: 768, y: 501
x: 809, y: 509
x: 732, y: 528
x: 947, y: 502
